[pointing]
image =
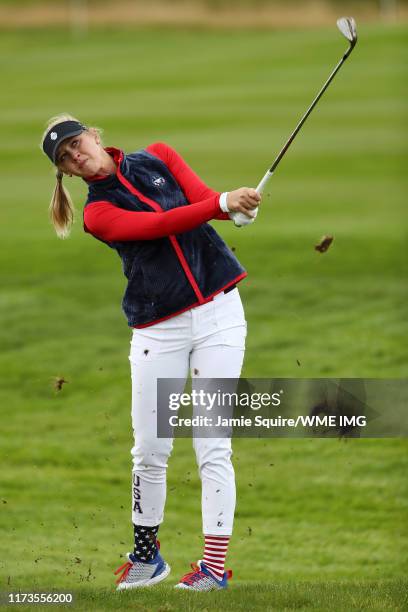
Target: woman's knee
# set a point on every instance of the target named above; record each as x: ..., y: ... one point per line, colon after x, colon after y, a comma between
x: 213, y: 456
x: 147, y: 454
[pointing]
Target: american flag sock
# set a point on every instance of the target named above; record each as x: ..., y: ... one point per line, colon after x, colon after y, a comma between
x: 215, y: 551
x: 146, y: 545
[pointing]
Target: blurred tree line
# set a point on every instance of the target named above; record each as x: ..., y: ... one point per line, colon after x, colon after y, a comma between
x: 219, y: 4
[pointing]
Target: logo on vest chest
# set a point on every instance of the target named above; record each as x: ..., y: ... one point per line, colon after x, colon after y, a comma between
x: 158, y: 181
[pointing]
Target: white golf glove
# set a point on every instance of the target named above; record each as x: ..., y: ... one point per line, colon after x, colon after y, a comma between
x: 238, y: 218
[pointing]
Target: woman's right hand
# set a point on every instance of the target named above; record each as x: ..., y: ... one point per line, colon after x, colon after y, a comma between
x: 244, y: 200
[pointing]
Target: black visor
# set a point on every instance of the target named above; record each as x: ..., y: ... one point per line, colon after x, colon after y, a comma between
x: 58, y: 133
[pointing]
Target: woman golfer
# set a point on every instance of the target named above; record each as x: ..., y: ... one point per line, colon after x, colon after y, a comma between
x: 183, y: 306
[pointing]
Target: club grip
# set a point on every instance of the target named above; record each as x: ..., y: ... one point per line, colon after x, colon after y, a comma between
x: 263, y: 182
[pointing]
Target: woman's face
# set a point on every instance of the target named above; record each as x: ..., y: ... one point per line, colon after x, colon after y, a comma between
x: 81, y: 155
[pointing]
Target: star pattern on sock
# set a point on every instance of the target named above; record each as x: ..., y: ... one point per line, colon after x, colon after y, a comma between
x: 145, y: 542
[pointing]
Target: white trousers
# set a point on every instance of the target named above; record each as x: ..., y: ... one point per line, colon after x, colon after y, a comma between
x: 209, y: 341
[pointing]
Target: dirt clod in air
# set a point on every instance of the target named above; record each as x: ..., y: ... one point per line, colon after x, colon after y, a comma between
x: 324, y: 244
x: 59, y: 381
x: 146, y: 351
x: 196, y: 372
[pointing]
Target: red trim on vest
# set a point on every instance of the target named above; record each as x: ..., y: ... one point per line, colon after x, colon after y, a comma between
x: 172, y: 239
x: 187, y: 269
x: 116, y: 155
x: 206, y: 300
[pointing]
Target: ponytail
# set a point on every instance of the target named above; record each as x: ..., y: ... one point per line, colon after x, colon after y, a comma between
x: 61, y: 208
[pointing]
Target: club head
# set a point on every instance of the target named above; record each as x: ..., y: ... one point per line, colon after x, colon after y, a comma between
x: 348, y: 28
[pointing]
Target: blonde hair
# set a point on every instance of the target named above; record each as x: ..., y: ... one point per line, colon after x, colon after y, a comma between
x: 61, y: 208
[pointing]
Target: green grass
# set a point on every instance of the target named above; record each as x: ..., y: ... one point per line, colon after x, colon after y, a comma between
x: 318, y: 596
x: 321, y: 524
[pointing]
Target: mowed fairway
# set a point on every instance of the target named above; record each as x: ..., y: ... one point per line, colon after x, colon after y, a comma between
x: 321, y: 524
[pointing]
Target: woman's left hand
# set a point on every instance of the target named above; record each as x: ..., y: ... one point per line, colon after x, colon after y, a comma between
x: 240, y: 219
x: 244, y: 200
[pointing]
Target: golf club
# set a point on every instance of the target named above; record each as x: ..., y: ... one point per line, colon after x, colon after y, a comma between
x: 347, y: 27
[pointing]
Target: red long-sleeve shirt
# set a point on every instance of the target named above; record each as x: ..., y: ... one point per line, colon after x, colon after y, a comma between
x: 110, y: 223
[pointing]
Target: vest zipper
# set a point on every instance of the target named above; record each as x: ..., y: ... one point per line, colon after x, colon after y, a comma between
x: 173, y: 239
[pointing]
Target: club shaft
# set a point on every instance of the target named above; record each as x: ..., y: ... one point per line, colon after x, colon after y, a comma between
x: 269, y: 173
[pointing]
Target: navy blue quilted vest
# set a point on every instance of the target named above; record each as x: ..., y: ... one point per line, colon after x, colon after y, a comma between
x: 167, y: 275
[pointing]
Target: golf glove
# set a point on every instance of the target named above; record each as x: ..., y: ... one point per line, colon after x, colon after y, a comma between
x: 238, y: 218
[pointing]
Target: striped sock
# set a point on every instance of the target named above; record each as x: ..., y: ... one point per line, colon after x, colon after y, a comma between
x: 215, y: 552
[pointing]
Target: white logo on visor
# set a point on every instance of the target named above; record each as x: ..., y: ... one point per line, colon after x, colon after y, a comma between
x: 53, y: 135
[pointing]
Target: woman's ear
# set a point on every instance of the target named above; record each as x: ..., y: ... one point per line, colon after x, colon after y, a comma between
x: 95, y: 134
